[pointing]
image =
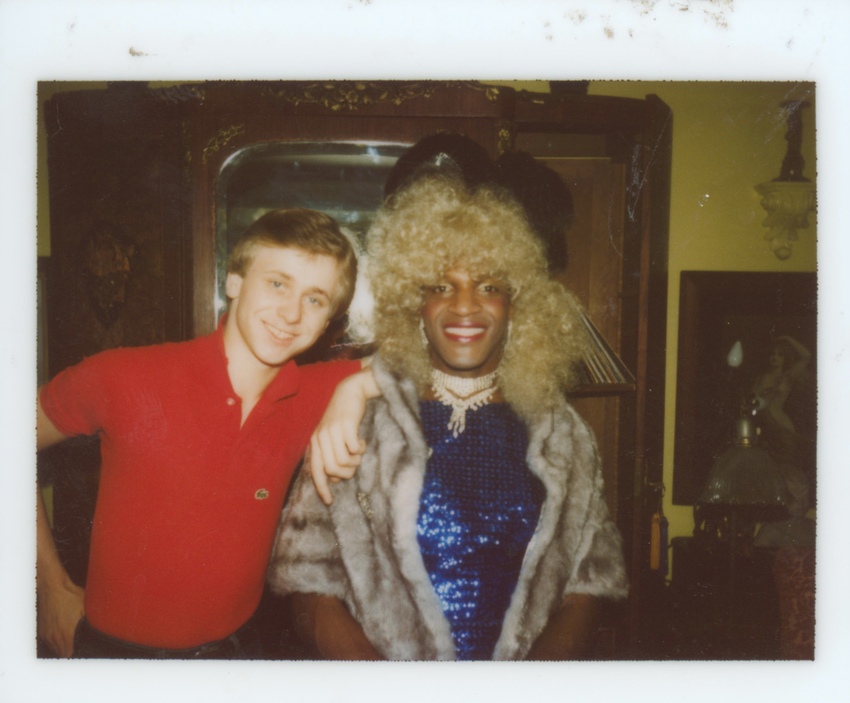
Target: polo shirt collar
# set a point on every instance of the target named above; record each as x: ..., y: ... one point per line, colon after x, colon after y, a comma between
x: 286, y: 383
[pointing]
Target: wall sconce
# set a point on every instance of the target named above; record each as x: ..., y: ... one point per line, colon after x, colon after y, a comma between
x: 788, y: 199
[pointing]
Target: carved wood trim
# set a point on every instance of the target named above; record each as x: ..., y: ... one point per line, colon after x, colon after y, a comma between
x: 221, y: 138
x: 350, y: 96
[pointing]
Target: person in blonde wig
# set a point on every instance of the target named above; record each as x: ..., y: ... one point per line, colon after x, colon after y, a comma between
x: 475, y: 526
x: 485, y: 231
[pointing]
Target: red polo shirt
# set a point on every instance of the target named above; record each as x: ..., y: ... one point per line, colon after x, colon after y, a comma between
x: 189, y: 502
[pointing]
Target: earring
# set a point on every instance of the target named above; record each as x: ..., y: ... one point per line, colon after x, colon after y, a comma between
x: 422, y: 336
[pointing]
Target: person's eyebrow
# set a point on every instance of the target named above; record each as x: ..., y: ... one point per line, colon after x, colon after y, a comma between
x: 319, y: 291
x: 280, y: 274
x: 315, y: 290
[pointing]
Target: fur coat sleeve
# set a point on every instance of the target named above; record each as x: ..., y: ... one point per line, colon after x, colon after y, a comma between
x: 364, y: 549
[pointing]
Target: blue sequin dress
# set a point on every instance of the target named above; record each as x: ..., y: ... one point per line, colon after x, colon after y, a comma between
x: 478, y: 511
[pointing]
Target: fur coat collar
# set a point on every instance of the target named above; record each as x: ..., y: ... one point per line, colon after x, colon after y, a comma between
x: 364, y: 549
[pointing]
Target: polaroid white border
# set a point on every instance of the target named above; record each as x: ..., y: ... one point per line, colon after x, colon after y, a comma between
x: 439, y: 39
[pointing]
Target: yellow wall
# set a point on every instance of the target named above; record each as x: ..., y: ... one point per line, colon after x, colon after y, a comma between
x: 727, y: 137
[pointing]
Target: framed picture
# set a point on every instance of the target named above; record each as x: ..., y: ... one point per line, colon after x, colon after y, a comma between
x: 747, y: 341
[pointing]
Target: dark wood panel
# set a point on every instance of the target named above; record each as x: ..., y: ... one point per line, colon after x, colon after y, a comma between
x: 118, y: 266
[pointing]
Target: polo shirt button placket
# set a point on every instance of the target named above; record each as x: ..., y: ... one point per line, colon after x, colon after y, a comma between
x: 233, y: 410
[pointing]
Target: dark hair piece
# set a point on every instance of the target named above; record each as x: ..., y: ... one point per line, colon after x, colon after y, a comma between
x: 547, y: 201
x: 442, y: 152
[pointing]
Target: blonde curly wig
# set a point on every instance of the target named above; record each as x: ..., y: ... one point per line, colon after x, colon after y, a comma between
x: 435, y: 224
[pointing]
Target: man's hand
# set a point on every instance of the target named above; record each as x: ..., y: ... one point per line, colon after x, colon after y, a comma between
x: 60, y: 609
x: 335, y: 446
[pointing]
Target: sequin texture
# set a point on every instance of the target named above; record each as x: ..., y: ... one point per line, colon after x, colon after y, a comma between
x: 478, y: 511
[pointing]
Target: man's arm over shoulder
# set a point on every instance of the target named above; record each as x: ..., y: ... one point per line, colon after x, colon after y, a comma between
x: 335, y: 446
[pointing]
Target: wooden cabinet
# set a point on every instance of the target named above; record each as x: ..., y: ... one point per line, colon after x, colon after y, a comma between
x: 137, y: 249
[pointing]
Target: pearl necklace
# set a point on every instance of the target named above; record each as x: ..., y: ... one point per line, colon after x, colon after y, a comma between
x: 462, y: 394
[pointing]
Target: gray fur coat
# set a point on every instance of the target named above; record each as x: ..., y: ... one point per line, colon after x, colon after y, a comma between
x: 364, y: 549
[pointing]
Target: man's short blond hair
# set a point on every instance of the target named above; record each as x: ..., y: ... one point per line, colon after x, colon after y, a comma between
x: 310, y: 231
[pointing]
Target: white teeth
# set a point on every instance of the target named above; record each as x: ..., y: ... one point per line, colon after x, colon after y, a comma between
x: 277, y: 332
x: 464, y: 331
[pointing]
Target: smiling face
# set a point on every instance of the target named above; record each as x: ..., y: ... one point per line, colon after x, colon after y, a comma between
x: 466, y: 322
x: 279, y: 307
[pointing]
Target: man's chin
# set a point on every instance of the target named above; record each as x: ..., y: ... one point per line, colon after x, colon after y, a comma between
x: 280, y: 358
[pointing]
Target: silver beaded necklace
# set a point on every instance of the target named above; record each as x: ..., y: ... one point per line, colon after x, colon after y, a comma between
x: 462, y: 394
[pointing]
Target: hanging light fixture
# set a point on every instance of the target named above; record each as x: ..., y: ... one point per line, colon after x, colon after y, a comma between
x: 745, y: 485
x: 745, y: 475
x: 790, y: 197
